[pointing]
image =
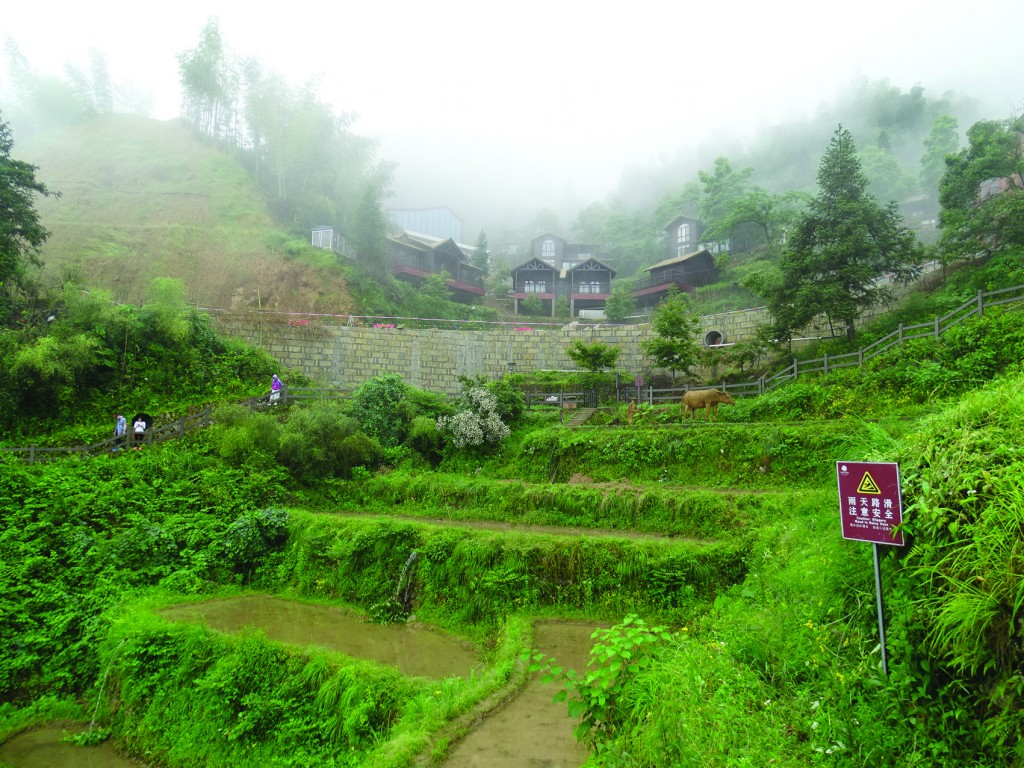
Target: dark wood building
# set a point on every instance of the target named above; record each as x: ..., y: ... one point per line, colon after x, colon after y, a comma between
x: 560, y: 269
x: 415, y: 257
x: 685, y: 272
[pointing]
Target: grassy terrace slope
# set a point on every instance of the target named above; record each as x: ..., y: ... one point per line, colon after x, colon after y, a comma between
x: 142, y: 199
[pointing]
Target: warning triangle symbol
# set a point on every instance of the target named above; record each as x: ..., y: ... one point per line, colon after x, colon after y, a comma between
x: 868, y: 485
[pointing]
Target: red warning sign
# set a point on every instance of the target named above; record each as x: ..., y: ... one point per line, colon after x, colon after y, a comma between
x: 870, y: 503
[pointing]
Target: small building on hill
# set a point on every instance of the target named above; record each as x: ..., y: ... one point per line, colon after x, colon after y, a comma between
x: 328, y: 238
x: 685, y: 272
x: 560, y: 269
x: 440, y: 222
x: 416, y: 256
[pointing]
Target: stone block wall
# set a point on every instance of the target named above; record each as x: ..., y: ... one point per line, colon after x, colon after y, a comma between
x: 432, y: 359
x: 347, y: 355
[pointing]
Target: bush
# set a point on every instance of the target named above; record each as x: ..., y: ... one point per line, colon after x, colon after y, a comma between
x: 252, y: 536
x: 313, y: 443
x: 375, y: 405
x: 478, y: 424
x: 425, y: 439
x: 242, y: 437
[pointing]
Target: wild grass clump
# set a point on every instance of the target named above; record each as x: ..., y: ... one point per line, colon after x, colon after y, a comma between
x: 792, y: 650
x: 663, y: 509
x: 722, y: 455
x: 188, y: 694
x: 468, y: 578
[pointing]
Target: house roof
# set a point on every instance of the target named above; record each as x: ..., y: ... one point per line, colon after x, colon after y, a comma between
x: 678, y: 259
x: 681, y: 217
x: 537, y: 262
x: 423, y: 242
x: 592, y: 260
x: 544, y: 235
x: 531, y: 260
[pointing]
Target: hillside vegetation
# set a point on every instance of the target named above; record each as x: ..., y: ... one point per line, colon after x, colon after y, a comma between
x: 745, y: 625
x: 142, y: 199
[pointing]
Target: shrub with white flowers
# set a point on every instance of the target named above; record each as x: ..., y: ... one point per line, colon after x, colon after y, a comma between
x: 477, y: 424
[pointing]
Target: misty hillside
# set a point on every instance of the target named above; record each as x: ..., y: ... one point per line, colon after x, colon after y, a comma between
x: 141, y: 199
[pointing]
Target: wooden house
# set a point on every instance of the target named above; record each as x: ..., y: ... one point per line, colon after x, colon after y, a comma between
x: 415, y: 257
x: 560, y: 269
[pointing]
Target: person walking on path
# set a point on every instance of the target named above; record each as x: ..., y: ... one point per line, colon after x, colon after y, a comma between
x: 120, y: 428
x: 139, y: 431
x: 275, y: 389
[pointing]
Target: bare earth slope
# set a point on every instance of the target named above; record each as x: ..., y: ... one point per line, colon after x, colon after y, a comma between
x: 142, y: 198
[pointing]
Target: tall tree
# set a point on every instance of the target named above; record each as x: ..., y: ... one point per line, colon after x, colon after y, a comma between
x: 722, y: 189
x: 845, y: 250
x: 771, y: 214
x: 21, y: 233
x: 674, y: 345
x: 482, y: 254
x: 203, y: 73
x: 371, y: 230
x: 980, y: 193
x: 942, y: 140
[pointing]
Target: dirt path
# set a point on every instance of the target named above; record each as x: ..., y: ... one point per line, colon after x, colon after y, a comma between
x: 497, y: 525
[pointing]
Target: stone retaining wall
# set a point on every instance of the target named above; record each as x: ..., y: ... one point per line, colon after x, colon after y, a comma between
x: 347, y: 355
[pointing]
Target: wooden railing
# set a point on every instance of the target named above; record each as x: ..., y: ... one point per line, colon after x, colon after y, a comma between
x: 904, y: 333
x: 172, y: 430
x: 561, y: 399
x: 583, y: 398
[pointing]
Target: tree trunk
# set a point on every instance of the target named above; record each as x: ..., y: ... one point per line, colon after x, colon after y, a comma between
x: 850, y: 330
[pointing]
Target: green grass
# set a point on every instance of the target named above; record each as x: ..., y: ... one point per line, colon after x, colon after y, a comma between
x: 142, y: 199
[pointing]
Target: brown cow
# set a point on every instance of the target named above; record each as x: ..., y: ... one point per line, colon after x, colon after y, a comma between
x: 708, y: 399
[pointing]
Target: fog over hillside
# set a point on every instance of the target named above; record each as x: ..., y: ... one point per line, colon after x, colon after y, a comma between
x: 498, y: 114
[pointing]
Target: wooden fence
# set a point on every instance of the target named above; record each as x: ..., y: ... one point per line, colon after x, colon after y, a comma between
x: 172, y: 430
x: 583, y: 398
x: 932, y: 329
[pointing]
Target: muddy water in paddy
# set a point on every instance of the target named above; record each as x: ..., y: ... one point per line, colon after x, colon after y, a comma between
x: 45, y: 748
x: 532, y: 730
x: 413, y: 649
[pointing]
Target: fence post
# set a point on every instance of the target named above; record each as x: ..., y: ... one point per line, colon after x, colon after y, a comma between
x: 826, y: 362
x: 796, y: 369
x: 981, y: 303
x: 760, y: 384
x: 936, y: 326
x: 31, y: 455
x: 900, y: 337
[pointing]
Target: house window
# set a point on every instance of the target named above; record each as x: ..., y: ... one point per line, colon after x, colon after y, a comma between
x: 547, y: 249
x: 534, y: 286
x: 592, y: 287
x: 683, y: 240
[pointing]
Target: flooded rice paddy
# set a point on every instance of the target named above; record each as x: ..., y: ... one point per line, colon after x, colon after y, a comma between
x: 528, y: 730
x: 45, y: 748
x: 413, y: 649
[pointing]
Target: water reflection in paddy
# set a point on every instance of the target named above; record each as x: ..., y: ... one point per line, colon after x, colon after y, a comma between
x: 413, y: 649
x: 45, y: 748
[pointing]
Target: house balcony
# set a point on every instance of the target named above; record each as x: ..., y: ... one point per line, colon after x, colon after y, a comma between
x: 661, y: 283
x: 528, y: 294
x: 466, y: 284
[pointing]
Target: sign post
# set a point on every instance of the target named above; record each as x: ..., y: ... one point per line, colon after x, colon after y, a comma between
x: 871, y: 509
